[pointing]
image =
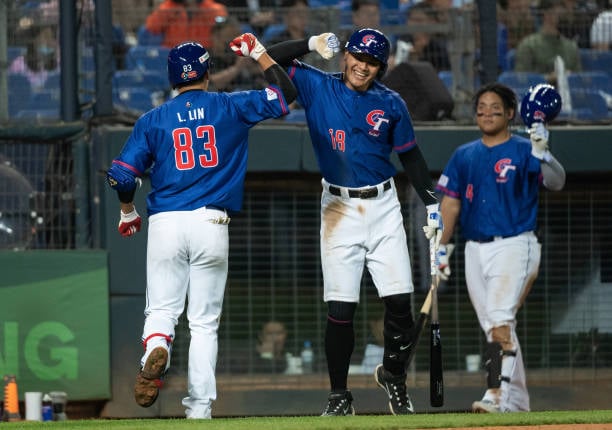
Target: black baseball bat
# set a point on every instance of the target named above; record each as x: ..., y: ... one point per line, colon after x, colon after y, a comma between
x: 420, y: 325
x: 436, y: 377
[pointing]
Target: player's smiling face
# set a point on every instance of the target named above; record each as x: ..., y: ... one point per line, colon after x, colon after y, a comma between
x: 360, y: 70
x: 491, y: 116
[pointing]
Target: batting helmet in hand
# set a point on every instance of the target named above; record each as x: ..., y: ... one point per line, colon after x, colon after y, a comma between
x: 372, y: 42
x: 541, y: 103
x: 187, y: 62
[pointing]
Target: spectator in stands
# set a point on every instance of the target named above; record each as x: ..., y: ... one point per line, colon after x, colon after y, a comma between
x: 230, y: 72
x: 365, y: 14
x: 425, y: 46
x: 271, y: 356
x: 266, y: 354
x: 41, y: 57
x: 254, y: 15
x: 296, y: 14
x: 601, y: 31
x: 537, y: 52
x: 576, y: 23
x: 129, y: 16
x: 180, y: 20
x: 517, y: 19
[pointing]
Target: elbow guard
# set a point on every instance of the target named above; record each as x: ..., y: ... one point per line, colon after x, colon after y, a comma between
x: 121, y: 179
x: 277, y: 76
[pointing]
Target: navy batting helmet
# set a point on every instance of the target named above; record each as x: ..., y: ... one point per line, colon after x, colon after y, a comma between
x: 187, y: 62
x: 372, y: 42
x: 541, y: 103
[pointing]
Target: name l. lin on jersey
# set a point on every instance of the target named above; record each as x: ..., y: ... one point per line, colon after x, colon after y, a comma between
x: 192, y: 114
x: 502, y: 167
x: 376, y: 118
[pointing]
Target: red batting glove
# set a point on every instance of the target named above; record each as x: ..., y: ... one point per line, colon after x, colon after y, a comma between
x: 247, y: 45
x: 130, y: 223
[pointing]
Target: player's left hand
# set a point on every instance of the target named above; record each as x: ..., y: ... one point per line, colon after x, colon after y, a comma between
x: 434, y: 221
x: 326, y: 44
x: 443, y: 253
x: 538, y: 134
x: 247, y: 45
x: 130, y: 223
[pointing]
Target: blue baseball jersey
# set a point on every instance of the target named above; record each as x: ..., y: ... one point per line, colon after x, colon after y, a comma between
x: 498, y: 187
x: 352, y: 132
x: 196, y: 147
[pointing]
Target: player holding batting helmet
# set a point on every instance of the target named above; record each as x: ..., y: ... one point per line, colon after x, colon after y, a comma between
x: 542, y: 103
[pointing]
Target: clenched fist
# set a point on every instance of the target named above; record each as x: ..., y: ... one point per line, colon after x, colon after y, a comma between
x: 326, y: 44
x: 129, y: 224
x: 247, y: 45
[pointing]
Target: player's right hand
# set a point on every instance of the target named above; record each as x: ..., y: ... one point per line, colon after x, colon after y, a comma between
x: 326, y: 44
x: 538, y: 134
x: 247, y: 45
x: 130, y: 223
x: 442, y: 255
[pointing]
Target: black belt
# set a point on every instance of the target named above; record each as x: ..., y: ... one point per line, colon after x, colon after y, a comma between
x: 492, y: 238
x: 362, y: 193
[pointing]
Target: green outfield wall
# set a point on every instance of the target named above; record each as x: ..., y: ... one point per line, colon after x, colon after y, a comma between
x: 54, y: 322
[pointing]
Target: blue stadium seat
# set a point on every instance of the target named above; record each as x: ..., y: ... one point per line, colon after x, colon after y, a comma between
x: 146, y: 38
x: 598, y: 80
x: 520, y: 81
x: 272, y: 31
x: 510, y: 59
x: 19, y: 92
x: 588, y: 105
x: 149, y: 58
x: 136, y: 99
x: 446, y: 76
x: 13, y: 52
x: 594, y: 60
x: 152, y: 80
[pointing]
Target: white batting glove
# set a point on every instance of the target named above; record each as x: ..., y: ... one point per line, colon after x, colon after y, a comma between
x: 326, y: 44
x: 434, y: 221
x: 538, y: 134
x: 247, y: 45
x: 442, y: 255
x: 130, y: 223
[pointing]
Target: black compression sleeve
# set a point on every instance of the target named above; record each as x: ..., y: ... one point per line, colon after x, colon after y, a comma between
x: 285, y: 52
x: 277, y: 76
x: 416, y: 168
x: 126, y: 196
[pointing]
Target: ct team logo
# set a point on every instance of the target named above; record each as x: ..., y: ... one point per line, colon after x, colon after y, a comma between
x: 368, y: 39
x: 539, y: 116
x: 376, y: 118
x: 502, y: 167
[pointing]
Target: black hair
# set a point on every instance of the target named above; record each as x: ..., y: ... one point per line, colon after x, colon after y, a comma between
x: 505, y: 93
x: 356, y: 4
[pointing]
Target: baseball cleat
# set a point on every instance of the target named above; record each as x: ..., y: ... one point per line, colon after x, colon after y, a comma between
x: 485, y: 407
x: 339, y: 404
x: 148, y: 380
x: 395, y: 387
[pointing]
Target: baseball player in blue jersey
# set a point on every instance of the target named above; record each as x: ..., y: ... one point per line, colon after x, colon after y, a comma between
x: 355, y: 124
x: 490, y: 187
x: 195, y: 146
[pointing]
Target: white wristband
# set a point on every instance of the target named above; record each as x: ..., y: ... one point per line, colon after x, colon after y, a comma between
x: 312, y: 43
